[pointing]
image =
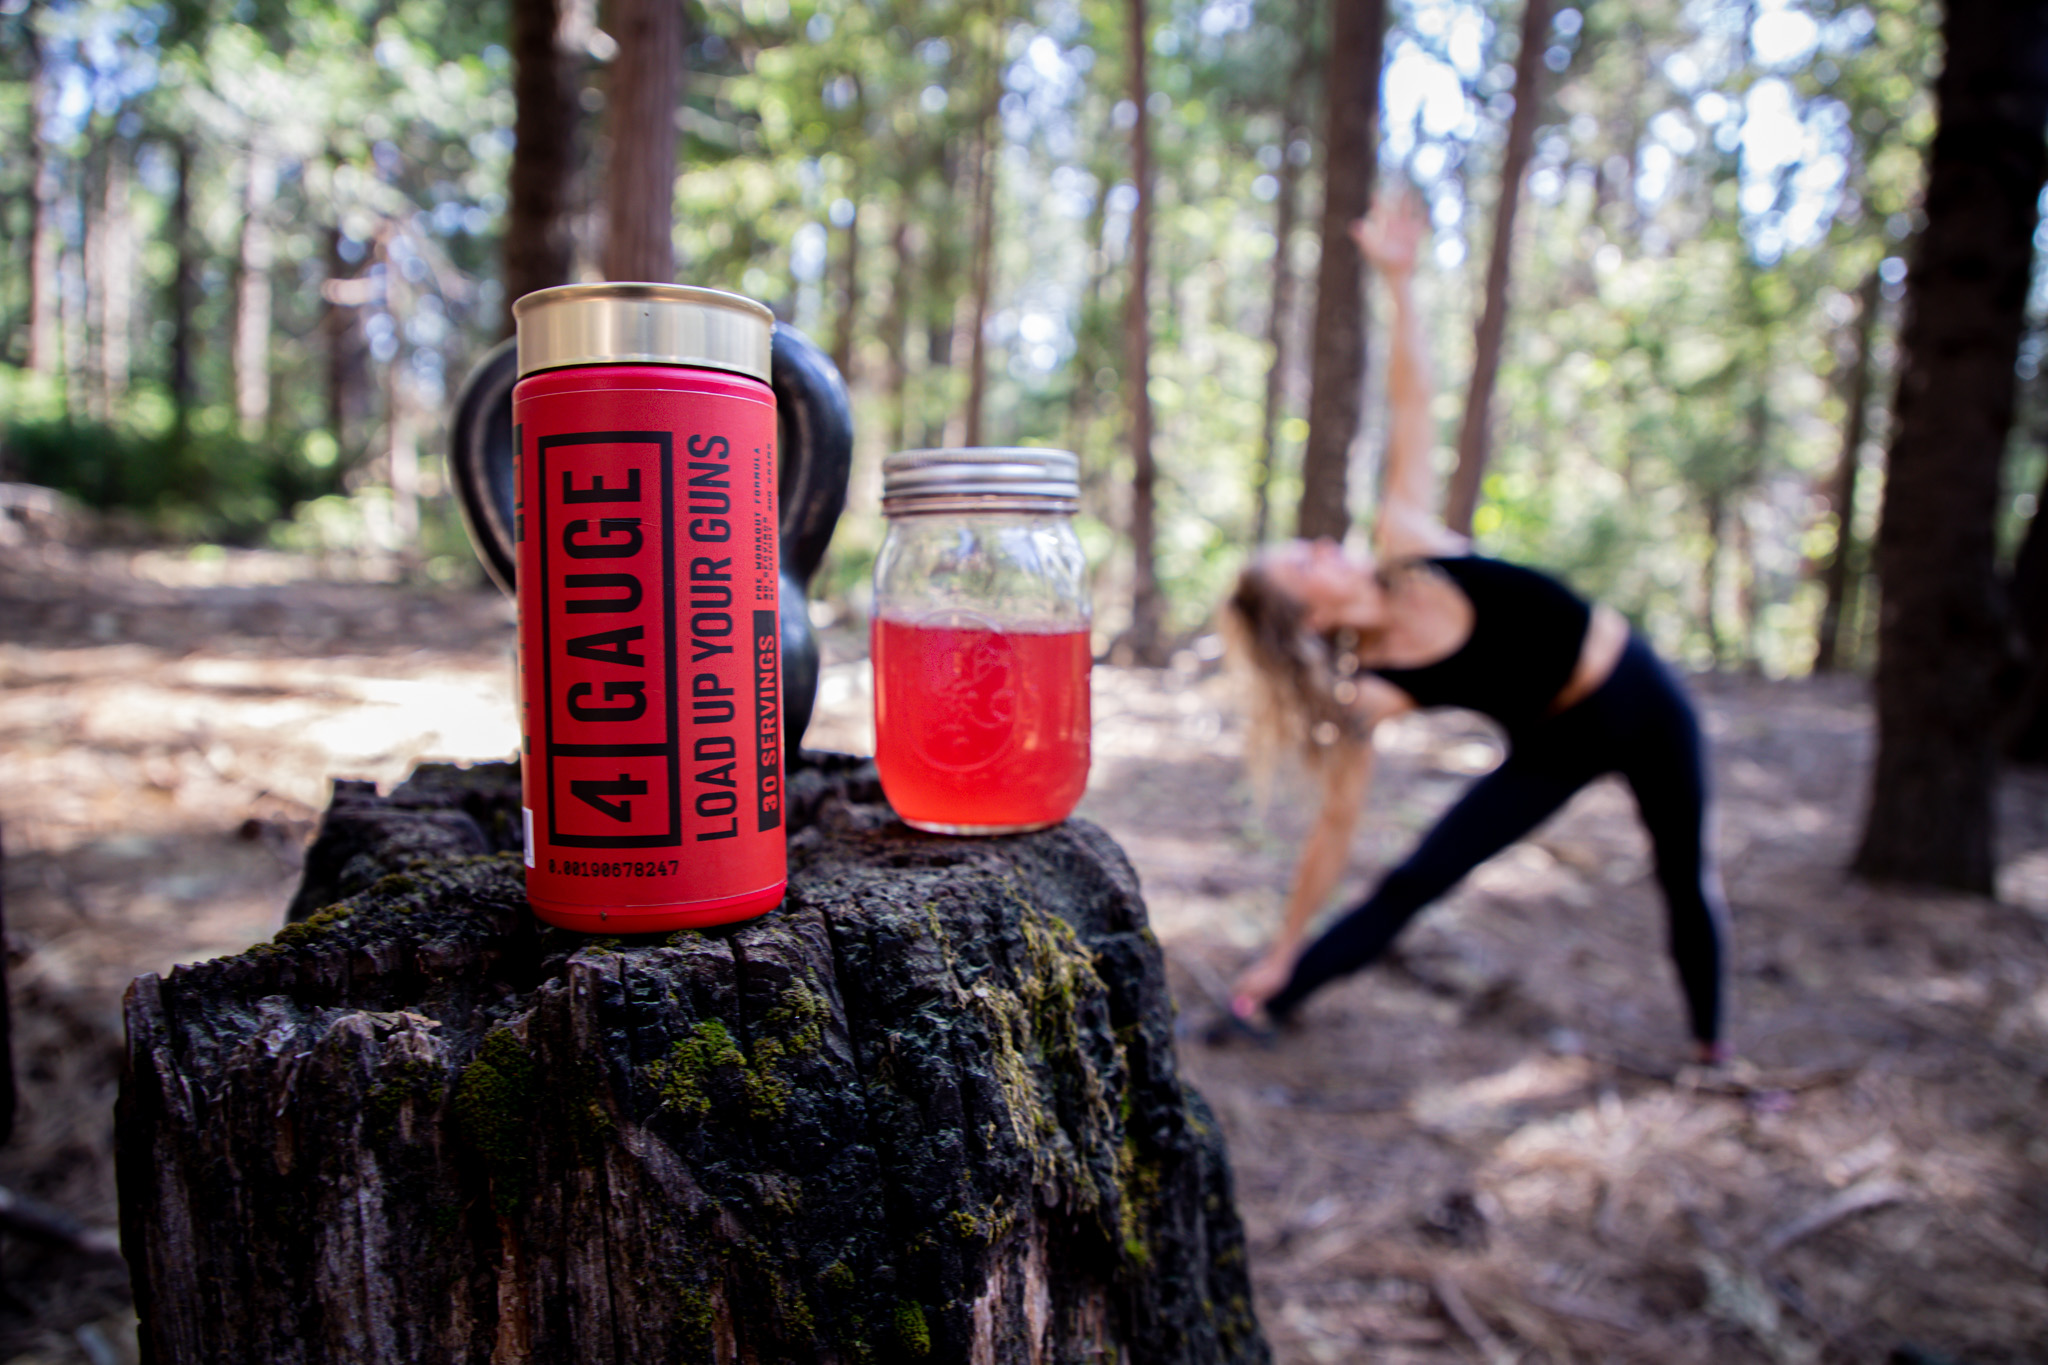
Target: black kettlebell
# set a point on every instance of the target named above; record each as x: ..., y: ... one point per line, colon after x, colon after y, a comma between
x: 814, y: 452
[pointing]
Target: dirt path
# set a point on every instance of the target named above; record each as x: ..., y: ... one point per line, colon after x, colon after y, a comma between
x: 1484, y: 1150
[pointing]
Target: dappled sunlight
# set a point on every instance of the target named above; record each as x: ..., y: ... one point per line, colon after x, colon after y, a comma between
x: 1474, y: 1107
x: 158, y: 805
x: 2024, y: 881
x: 209, y: 733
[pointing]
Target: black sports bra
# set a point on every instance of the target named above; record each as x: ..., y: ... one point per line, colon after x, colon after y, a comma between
x: 1527, y: 632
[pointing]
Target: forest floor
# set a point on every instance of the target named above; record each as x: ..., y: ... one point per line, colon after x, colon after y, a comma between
x: 1486, y: 1149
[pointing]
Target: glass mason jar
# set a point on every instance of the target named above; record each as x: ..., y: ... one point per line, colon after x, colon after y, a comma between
x: 980, y: 640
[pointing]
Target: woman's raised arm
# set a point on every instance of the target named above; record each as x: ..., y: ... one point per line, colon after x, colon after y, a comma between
x: 1390, y: 237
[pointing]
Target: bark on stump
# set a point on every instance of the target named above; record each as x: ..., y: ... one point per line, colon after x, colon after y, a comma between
x: 928, y: 1109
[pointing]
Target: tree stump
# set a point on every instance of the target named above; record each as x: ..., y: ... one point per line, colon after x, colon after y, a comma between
x: 927, y: 1109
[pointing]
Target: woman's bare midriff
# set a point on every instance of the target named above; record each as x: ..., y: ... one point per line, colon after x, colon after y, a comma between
x: 1606, y: 638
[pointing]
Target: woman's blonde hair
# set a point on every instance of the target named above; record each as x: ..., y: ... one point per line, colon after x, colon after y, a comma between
x: 1300, y: 686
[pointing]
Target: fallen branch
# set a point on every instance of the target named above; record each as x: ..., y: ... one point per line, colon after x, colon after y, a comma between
x: 1870, y: 1194
x: 1459, y: 1311
x: 1384, y: 1100
x: 1737, y: 1079
x: 1593, y: 1311
x: 1745, y: 1275
x: 29, y: 1217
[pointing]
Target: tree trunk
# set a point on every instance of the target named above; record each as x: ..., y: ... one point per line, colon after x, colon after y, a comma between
x: 92, y: 277
x: 1639, y: 67
x: 251, y: 353
x: 849, y: 294
x: 1758, y: 456
x: 1337, y: 373
x: 1097, y: 340
x: 847, y: 316
x: 1145, y: 641
x: 896, y: 327
x: 184, y: 292
x: 9, y: 1098
x: 941, y: 290
x: 540, y: 244
x: 42, y: 232
x: 987, y: 158
x: 1836, y: 580
x: 2027, y: 740
x: 1941, y: 635
x: 401, y: 447
x: 647, y: 79
x: 1475, y: 436
x: 927, y: 1110
x: 347, y: 351
x: 118, y: 284
x: 1084, y: 398
x: 74, y: 290
x: 1281, y: 319
x: 1716, y: 512
x: 1746, y: 610
x: 982, y: 271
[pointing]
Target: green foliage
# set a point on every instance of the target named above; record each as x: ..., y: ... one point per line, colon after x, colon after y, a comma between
x: 382, y: 124
x: 1672, y: 389
x: 1711, y: 184
x: 199, y: 485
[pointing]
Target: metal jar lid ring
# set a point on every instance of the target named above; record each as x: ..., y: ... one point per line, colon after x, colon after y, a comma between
x: 981, y: 479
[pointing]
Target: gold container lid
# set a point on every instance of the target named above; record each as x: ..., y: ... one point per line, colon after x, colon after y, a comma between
x: 642, y: 324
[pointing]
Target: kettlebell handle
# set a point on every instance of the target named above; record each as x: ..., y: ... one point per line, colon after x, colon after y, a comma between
x: 814, y: 454
x: 816, y: 422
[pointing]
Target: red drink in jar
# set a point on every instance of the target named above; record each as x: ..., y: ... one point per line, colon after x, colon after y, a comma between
x: 980, y: 728
x: 980, y: 642
x: 648, y: 647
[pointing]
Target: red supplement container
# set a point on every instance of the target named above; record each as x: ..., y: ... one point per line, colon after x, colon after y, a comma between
x: 650, y: 697
x: 980, y: 640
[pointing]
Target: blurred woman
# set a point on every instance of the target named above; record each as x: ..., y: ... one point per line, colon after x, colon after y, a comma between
x: 1339, y: 640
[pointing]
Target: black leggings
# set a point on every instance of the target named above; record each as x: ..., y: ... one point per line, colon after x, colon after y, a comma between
x: 1638, y: 723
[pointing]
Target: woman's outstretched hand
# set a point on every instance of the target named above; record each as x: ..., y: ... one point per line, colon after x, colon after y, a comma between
x: 1390, y: 235
x: 1259, y: 982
